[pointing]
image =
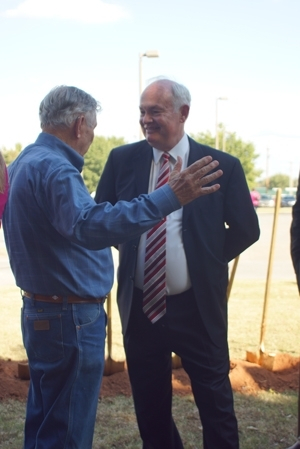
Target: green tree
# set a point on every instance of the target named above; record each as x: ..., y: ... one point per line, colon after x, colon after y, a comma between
x: 279, y: 181
x: 11, y: 154
x: 96, y: 157
x: 244, y: 151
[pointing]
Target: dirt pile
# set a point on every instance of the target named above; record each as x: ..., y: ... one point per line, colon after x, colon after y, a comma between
x: 245, y: 377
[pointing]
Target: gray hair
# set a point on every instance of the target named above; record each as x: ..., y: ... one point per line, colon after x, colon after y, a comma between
x: 180, y: 93
x: 63, y: 104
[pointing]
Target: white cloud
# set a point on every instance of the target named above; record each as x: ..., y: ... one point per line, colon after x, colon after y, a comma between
x: 89, y: 11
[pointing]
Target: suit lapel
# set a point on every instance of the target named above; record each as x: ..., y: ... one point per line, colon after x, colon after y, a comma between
x: 195, y: 154
x: 141, y: 166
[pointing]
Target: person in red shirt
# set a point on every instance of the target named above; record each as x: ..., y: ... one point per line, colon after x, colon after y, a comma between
x: 255, y: 197
x: 3, y: 185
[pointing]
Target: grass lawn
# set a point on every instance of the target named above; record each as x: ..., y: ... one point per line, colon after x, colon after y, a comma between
x: 267, y: 420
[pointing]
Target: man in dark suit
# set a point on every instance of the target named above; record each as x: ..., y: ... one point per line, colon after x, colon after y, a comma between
x: 295, y: 254
x: 295, y: 235
x: 201, y: 239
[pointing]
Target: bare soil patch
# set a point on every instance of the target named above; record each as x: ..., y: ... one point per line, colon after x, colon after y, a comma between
x: 245, y: 377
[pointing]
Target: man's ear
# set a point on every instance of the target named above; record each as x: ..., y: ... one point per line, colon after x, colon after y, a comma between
x: 78, y: 126
x: 184, y: 110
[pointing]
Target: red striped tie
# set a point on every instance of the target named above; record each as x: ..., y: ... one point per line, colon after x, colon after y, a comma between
x: 154, y: 298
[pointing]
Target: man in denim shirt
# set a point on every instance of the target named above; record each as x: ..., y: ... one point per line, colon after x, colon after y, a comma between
x: 58, y: 243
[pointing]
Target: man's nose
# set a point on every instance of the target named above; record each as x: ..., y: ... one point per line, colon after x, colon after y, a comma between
x: 147, y: 118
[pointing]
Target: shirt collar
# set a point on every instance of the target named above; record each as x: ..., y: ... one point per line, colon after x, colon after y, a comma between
x: 180, y: 149
x: 58, y: 145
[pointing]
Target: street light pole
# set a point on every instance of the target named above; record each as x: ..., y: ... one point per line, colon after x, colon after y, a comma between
x: 224, y: 141
x: 267, y: 171
x: 217, y: 130
x: 147, y: 54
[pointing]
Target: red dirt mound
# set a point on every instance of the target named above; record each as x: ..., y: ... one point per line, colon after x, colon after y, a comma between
x: 245, y: 377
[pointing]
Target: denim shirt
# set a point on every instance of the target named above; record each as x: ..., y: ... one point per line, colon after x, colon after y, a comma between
x: 58, y: 239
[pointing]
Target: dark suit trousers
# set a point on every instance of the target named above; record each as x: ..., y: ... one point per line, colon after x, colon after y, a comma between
x: 148, y: 350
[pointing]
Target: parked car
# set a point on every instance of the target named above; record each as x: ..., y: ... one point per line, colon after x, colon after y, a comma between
x: 287, y: 201
x: 266, y: 201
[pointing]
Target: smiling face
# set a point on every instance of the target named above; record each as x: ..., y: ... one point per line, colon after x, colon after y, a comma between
x: 161, y: 122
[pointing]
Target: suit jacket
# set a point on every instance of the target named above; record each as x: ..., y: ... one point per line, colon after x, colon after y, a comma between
x: 215, y: 228
x: 295, y: 236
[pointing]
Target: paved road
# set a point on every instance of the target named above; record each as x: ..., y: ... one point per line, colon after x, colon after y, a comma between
x: 253, y: 263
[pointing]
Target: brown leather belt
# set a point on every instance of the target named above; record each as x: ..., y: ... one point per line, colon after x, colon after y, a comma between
x: 59, y: 299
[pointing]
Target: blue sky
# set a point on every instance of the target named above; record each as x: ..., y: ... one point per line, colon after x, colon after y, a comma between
x: 245, y: 50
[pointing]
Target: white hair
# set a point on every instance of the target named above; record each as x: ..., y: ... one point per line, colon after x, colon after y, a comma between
x: 180, y: 93
x: 63, y: 104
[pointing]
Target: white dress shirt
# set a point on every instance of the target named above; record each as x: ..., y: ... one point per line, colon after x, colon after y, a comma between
x: 177, y: 275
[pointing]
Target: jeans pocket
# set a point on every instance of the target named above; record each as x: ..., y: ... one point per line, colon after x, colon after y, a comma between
x: 86, y: 314
x: 42, y: 336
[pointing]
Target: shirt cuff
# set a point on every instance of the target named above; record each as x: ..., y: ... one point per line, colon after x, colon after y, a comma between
x: 160, y: 196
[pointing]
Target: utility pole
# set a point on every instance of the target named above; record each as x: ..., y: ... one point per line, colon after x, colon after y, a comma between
x: 291, y: 174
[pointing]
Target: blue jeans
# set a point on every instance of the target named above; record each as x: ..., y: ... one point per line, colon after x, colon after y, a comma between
x: 65, y: 347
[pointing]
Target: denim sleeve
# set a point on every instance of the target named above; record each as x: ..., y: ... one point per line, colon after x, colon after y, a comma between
x: 76, y: 216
